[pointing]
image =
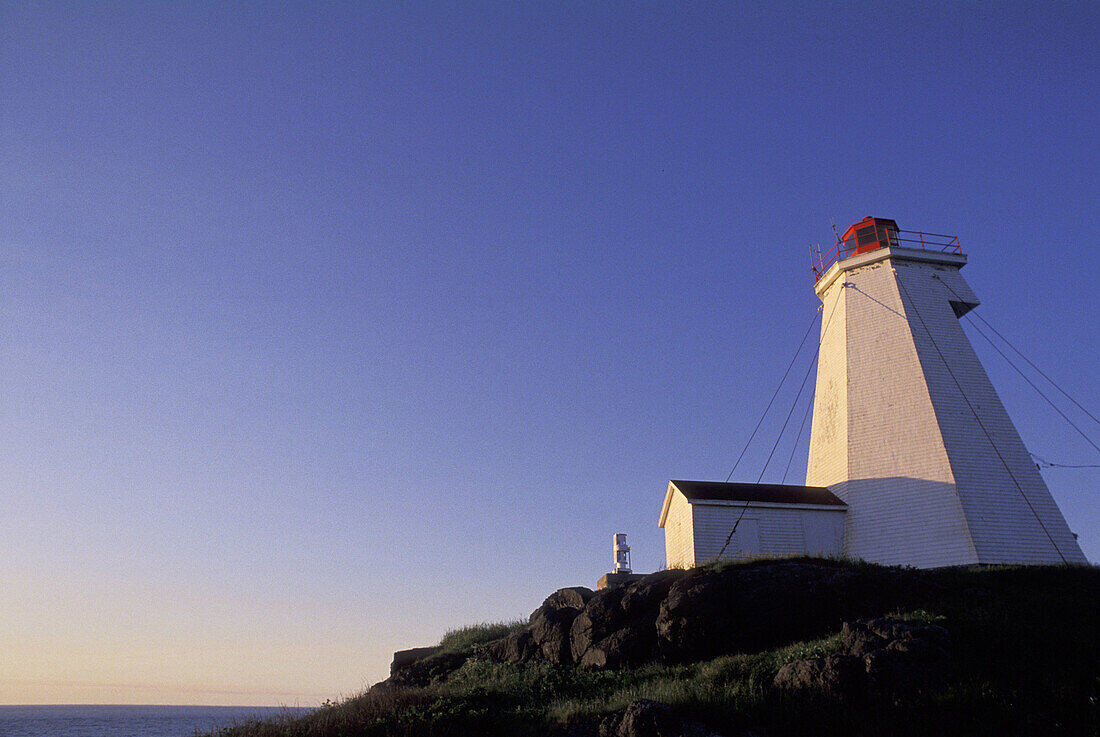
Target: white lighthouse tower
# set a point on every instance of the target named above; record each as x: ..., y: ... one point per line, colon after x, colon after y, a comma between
x: 907, y: 428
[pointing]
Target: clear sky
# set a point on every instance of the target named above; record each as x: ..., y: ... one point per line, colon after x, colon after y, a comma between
x: 326, y: 327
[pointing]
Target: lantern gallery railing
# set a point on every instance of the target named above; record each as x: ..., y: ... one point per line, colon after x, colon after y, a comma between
x: 887, y: 237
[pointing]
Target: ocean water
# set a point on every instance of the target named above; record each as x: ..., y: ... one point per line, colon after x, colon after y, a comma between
x: 126, y: 721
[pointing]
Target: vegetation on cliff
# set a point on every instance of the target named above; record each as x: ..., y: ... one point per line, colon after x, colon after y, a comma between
x: 1020, y: 655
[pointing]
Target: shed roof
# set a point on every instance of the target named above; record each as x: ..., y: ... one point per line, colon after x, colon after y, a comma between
x: 774, y: 493
x: 705, y: 491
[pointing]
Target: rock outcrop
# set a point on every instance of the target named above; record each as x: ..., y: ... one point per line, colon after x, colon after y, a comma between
x: 645, y: 718
x: 426, y: 670
x: 755, y: 607
x: 679, y: 616
x: 617, y: 628
x: 405, y: 658
x: 551, y: 623
x: 642, y: 718
x: 881, y: 656
x: 518, y: 647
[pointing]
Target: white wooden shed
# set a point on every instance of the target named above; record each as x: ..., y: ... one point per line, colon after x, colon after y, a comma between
x: 775, y: 519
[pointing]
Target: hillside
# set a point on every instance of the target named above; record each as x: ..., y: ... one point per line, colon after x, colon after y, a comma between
x: 768, y: 648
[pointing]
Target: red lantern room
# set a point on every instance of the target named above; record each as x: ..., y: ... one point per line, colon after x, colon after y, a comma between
x: 868, y: 234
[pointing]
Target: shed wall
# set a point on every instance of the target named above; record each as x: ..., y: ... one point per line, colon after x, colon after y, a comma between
x: 679, y: 544
x: 778, y: 531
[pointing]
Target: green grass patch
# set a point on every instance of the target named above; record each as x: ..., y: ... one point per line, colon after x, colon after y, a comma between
x: 465, y: 639
x: 715, y: 688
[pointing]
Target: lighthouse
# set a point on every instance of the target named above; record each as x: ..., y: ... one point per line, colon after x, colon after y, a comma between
x: 907, y: 429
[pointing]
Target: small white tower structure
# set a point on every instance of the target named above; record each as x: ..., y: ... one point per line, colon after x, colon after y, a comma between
x: 622, y: 553
x: 907, y: 428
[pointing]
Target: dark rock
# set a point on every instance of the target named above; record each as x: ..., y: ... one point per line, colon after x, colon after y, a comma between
x: 932, y: 633
x: 622, y: 648
x: 551, y: 622
x: 428, y: 670
x: 550, y: 632
x: 518, y: 647
x: 867, y: 635
x: 582, y: 729
x: 643, y: 598
x: 926, y: 644
x: 858, y: 639
x: 889, y: 628
x: 600, y: 617
x: 890, y: 655
x: 605, y: 636
x: 405, y: 658
x: 574, y: 597
x: 686, y: 616
x: 643, y: 718
x: 617, y: 628
x: 834, y: 676
x: 753, y: 607
x: 911, y: 662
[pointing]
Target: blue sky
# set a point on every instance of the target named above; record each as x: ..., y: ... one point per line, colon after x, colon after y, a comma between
x: 326, y: 327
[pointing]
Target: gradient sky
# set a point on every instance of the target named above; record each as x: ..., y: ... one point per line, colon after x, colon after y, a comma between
x: 324, y: 328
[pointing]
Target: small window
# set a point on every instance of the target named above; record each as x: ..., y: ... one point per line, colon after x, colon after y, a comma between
x: 866, y: 236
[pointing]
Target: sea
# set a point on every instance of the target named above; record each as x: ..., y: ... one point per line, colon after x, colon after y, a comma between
x: 128, y: 721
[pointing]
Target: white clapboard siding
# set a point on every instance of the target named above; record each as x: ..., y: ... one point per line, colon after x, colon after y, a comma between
x: 896, y: 439
x: 766, y: 530
x: 679, y: 533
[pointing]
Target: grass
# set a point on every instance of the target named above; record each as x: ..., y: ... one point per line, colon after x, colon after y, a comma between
x: 465, y: 639
x: 1026, y: 647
